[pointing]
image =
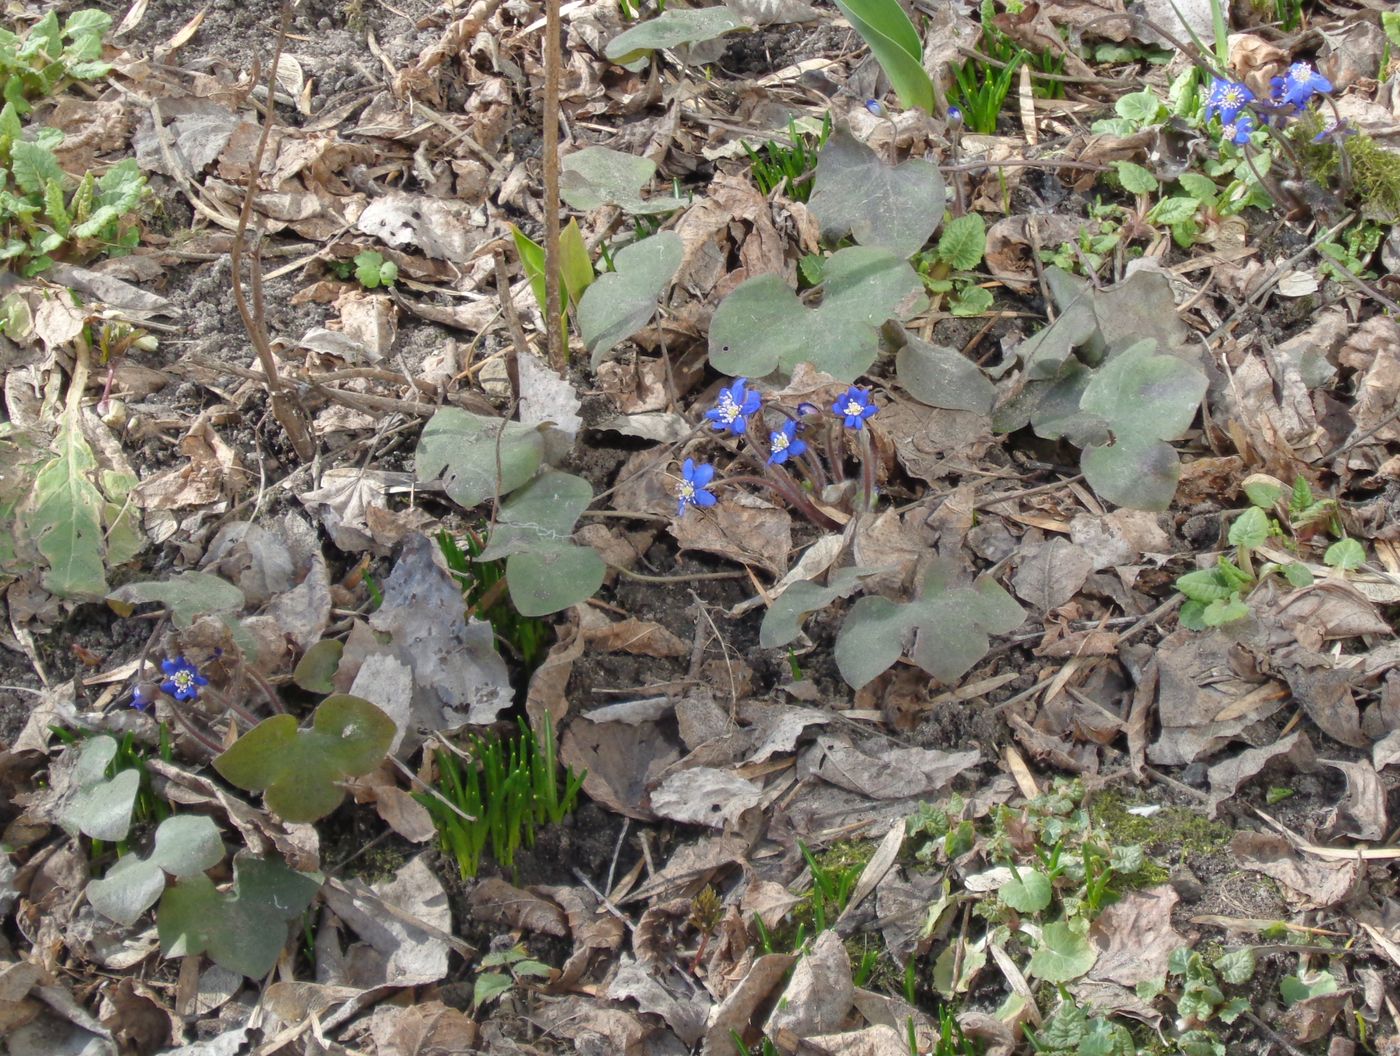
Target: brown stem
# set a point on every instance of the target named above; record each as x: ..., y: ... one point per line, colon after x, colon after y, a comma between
x: 284, y: 408
x: 553, y: 312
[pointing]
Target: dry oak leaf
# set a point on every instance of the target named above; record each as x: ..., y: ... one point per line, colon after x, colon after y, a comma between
x: 1313, y: 883
x: 1135, y: 937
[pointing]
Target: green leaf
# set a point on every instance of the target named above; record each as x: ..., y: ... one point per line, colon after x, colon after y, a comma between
x: 33, y: 167
x: 369, y: 269
x: 670, y: 29
x: 963, y: 242
x: 895, y: 43
x: 121, y: 518
x: 948, y: 624
x: 1141, y: 108
x: 1262, y: 490
x: 1228, y: 610
x: 782, y: 623
x: 1200, y: 1043
x: 970, y: 301
x: 574, y: 262
x: 298, y: 769
x: 598, y: 176
x: 63, y: 516
x: 544, y: 570
x: 943, y: 377
x: 317, y: 667
x: 857, y: 193
x: 1236, y: 967
x: 1174, y: 210
x: 1135, y: 179
x: 762, y: 326
x: 1390, y: 22
x: 621, y: 302
x: 185, y: 845
x: 1345, y: 554
x: 488, y: 986
x: 1064, y: 954
x: 242, y: 929
x: 54, y: 208
x: 1298, y: 574
x: 1029, y: 893
x: 187, y: 596
x: 477, y: 457
x: 1295, y: 988
x: 1251, y: 529
x: 100, y: 808
x: 1201, y: 188
x: 121, y: 186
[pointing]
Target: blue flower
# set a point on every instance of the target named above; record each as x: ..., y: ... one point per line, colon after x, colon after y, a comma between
x: 143, y: 696
x: 695, y: 480
x: 854, y: 406
x: 731, y: 411
x: 1226, y: 98
x: 1334, y: 131
x: 954, y: 116
x: 873, y: 105
x: 785, y: 444
x: 182, y: 679
x: 1238, y: 131
x: 1299, y: 85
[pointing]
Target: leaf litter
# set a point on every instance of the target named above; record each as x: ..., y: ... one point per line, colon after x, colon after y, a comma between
x: 732, y: 774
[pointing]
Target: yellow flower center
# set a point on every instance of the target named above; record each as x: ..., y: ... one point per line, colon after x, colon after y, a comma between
x: 854, y: 408
x: 685, y: 491
x: 728, y: 409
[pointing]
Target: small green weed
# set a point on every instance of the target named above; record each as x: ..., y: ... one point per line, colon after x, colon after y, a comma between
x: 944, y: 269
x: 511, y: 967
x: 484, y: 589
x: 503, y: 790
x: 369, y: 267
x: 981, y: 90
x: 792, y: 165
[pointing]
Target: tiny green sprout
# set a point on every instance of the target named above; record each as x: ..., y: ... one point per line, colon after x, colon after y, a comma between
x: 512, y: 966
x: 1345, y: 554
x: 374, y: 271
x: 1278, y: 794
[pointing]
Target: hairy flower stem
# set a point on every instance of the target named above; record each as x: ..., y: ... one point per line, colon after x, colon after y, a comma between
x: 784, y: 487
x: 867, y: 472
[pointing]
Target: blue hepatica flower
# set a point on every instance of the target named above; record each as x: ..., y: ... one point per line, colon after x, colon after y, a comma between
x: 873, y: 105
x: 1299, y: 85
x: 1227, y: 99
x: 143, y: 696
x: 182, y: 679
x: 694, y: 485
x: 1334, y: 131
x: 854, y: 406
x: 1238, y: 130
x: 785, y: 444
x: 954, y: 116
x: 731, y: 411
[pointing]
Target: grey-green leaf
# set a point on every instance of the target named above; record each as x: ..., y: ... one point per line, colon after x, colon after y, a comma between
x: 856, y: 192
x: 1064, y: 953
x: 1030, y: 893
x: 670, y: 29
x: 99, y: 808
x: 943, y: 377
x: 477, y: 456
x: 598, y: 176
x: 762, y: 326
x: 186, y: 844
x: 621, y: 302
x: 242, y: 929
x: 187, y: 596
x: 782, y: 623
x: 551, y: 578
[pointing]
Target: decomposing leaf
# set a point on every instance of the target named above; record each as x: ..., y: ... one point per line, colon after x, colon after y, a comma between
x: 857, y: 193
x: 185, y: 845
x: 621, y: 302
x: 299, y: 770
x: 395, y: 950
x: 1052, y: 574
x: 703, y: 795
x: 244, y: 928
x: 762, y: 326
x: 890, y: 773
x: 476, y: 457
x: 1135, y: 937
x: 1313, y: 882
x: 949, y: 626
x: 819, y: 995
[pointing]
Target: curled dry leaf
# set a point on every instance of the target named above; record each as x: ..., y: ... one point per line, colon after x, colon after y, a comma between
x: 1311, y: 882
x: 496, y: 902
x: 898, y: 773
x: 704, y: 796
x: 1135, y: 937
x: 819, y: 995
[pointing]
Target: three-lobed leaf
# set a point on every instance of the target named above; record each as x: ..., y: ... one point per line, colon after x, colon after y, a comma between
x: 185, y: 845
x: 856, y: 192
x: 242, y: 929
x: 188, y: 596
x: 299, y: 770
x: 477, y: 457
x: 100, y: 808
x: 762, y: 327
x: 621, y: 302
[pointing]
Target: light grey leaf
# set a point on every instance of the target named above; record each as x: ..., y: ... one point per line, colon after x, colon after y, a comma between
x: 856, y: 192
x: 621, y: 302
x: 943, y: 377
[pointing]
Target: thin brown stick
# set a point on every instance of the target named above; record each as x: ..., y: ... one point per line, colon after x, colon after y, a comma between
x: 552, y: 274
x: 284, y: 408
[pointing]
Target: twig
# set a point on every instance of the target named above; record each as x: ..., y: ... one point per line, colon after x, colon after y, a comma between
x: 552, y: 273
x: 287, y: 412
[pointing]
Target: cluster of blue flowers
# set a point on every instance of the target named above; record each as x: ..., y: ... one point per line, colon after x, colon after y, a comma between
x: 734, y: 408
x: 1231, y: 101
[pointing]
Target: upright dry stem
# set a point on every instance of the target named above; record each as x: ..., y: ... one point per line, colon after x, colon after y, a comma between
x: 553, y: 312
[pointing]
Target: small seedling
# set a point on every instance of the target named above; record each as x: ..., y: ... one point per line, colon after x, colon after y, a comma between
x: 374, y: 271
x: 503, y: 791
x: 483, y: 589
x: 513, y: 966
x: 981, y: 89
x: 944, y: 269
x: 791, y: 165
